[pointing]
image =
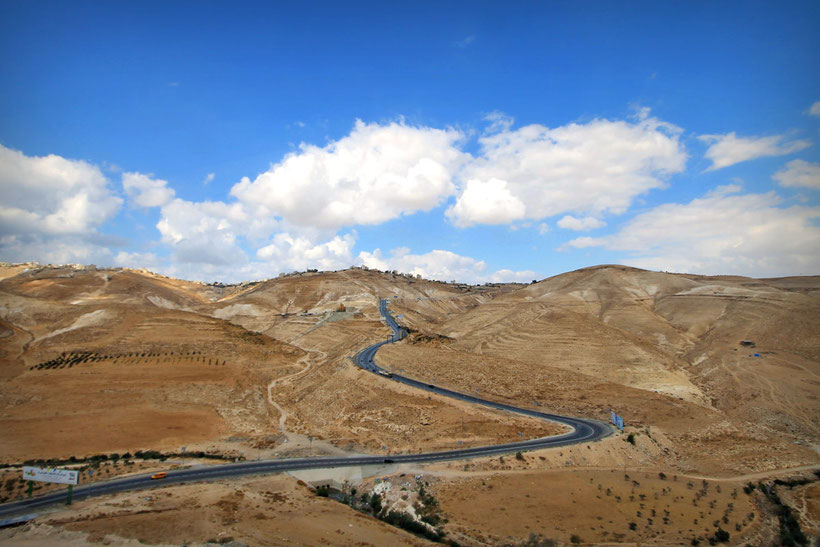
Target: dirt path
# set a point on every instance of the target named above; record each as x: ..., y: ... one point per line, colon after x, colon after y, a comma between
x: 308, y: 361
x: 25, y: 345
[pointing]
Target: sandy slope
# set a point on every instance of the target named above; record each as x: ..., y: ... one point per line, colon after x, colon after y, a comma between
x: 179, y: 363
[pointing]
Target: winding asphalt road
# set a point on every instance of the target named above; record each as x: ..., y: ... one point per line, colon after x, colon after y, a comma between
x: 582, y: 431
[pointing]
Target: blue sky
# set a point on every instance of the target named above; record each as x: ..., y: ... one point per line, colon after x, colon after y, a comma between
x: 471, y: 141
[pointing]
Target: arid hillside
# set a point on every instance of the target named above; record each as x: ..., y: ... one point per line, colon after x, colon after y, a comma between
x: 728, y: 363
x: 716, y: 377
x: 137, y: 361
x: 107, y: 361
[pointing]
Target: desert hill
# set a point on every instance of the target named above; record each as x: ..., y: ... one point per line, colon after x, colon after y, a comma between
x: 663, y: 349
x: 157, y: 363
x: 676, y: 338
x: 715, y: 376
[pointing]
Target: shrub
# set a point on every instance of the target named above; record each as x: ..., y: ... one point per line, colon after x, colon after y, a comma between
x: 432, y: 519
x: 721, y: 536
x: 403, y: 520
x: 537, y: 540
x: 631, y: 439
x: 376, y: 503
x: 519, y: 456
x: 575, y: 539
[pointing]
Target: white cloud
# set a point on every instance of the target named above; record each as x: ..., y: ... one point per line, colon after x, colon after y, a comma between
x: 51, y: 209
x: 55, y: 249
x: 814, y: 110
x: 582, y: 243
x: 437, y: 264
x: 489, y: 202
x: 729, y: 149
x: 580, y: 224
x: 506, y: 275
x: 799, y: 173
x: 181, y: 219
x: 440, y: 265
x: 536, y: 172
x: 52, y: 195
x: 147, y: 191
x: 287, y: 252
x: 543, y: 228
x: 208, y: 178
x: 721, y: 233
x: 208, y: 240
x: 137, y: 260
x: 375, y: 174
x: 499, y: 121
x: 205, y: 232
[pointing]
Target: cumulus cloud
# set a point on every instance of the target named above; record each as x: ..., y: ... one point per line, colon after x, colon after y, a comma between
x: 55, y: 249
x: 147, y: 191
x: 721, y: 233
x: 52, y: 195
x: 814, y: 110
x: 507, y: 275
x: 375, y: 174
x: 536, y: 172
x: 489, y: 202
x: 569, y: 222
x: 204, y: 232
x: 439, y: 265
x: 288, y: 252
x: 799, y: 173
x: 210, y: 239
x: 729, y: 149
x: 52, y: 208
x: 137, y: 260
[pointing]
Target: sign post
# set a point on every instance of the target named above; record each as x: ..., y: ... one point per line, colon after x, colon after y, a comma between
x: 618, y: 421
x: 60, y: 476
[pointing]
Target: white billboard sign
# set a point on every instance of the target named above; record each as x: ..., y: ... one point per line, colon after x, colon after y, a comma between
x: 62, y: 476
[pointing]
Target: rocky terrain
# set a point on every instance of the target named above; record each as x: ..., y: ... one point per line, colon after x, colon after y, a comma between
x: 716, y: 378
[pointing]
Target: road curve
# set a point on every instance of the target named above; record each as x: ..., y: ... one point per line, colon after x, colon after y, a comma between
x: 582, y: 431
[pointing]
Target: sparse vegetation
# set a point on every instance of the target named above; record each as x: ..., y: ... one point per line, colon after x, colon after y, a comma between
x: 665, y: 508
x: 790, y: 533
x: 69, y: 359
